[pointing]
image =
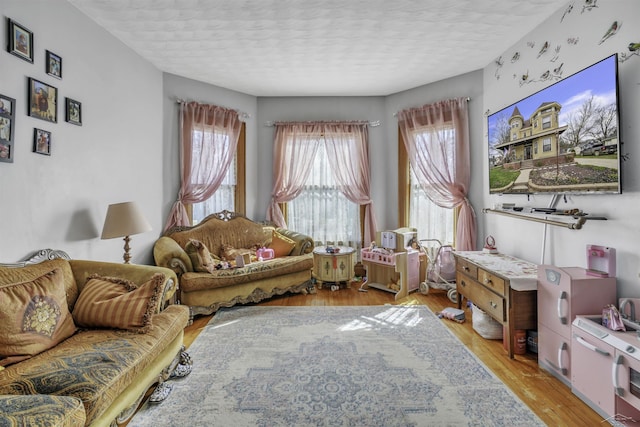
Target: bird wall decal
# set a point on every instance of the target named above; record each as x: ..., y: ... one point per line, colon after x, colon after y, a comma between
x: 613, y: 29
x: 567, y: 11
x: 634, y: 50
x: 543, y: 49
x: 589, y: 5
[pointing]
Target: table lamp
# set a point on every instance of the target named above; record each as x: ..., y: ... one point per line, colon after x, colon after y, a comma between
x: 124, y: 220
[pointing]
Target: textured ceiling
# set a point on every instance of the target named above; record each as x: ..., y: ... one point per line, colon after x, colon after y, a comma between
x: 318, y: 47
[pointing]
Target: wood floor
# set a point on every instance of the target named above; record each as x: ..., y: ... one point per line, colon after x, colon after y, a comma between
x: 551, y: 400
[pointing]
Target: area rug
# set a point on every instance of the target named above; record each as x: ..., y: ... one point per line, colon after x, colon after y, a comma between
x: 334, y: 366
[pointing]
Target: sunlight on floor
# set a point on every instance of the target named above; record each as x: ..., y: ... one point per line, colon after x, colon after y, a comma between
x: 394, y: 316
x: 225, y: 324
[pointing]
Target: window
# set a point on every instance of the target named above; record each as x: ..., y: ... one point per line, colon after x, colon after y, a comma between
x: 546, y: 144
x: 431, y: 221
x: 546, y: 122
x: 321, y: 210
x: 416, y: 209
x: 230, y: 195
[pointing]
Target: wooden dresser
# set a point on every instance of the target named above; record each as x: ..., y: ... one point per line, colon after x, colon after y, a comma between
x: 503, y: 286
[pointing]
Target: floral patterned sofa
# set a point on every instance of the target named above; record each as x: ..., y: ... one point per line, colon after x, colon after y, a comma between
x: 203, y: 257
x: 66, y: 358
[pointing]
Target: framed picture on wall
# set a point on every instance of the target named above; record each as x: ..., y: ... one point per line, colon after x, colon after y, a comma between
x: 20, y: 41
x: 6, y: 152
x: 7, y: 125
x: 41, y: 141
x: 53, y: 65
x: 43, y: 101
x: 7, y: 106
x: 73, y: 112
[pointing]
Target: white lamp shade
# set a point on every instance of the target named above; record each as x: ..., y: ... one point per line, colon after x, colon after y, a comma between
x: 124, y: 219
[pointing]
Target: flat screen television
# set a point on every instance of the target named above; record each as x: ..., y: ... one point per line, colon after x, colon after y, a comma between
x: 561, y: 139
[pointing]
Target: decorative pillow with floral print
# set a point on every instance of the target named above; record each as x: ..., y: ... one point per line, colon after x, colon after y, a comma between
x: 34, y: 317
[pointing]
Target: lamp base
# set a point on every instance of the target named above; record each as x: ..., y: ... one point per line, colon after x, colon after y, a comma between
x: 126, y: 255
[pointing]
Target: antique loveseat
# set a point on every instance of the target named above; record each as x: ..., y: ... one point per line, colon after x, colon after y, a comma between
x: 204, y: 258
x: 82, y: 341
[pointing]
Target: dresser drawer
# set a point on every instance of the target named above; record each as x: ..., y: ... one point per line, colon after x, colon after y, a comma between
x: 466, y: 267
x: 490, y: 302
x: 492, y: 282
x: 465, y: 285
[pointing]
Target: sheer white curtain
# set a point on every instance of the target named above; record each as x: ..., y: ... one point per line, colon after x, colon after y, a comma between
x: 208, y: 141
x: 431, y: 220
x: 223, y: 199
x: 345, y: 157
x: 321, y: 210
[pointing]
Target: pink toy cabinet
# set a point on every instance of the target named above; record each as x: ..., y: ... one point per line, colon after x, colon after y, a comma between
x: 564, y: 293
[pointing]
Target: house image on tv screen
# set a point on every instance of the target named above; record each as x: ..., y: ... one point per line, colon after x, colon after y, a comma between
x: 535, y: 138
x: 565, y: 142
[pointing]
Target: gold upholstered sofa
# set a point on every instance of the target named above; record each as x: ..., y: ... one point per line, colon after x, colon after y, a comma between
x: 82, y: 341
x: 204, y: 258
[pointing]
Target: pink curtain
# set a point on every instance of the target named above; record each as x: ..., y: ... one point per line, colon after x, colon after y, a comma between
x: 437, y: 140
x: 208, y: 142
x: 295, y: 147
x: 347, y: 148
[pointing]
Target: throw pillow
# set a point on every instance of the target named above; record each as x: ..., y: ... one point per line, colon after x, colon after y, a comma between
x: 281, y: 245
x: 110, y: 302
x: 34, y: 317
x: 201, y: 258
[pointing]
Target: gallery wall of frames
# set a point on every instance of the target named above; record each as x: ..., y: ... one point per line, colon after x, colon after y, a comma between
x: 41, y: 96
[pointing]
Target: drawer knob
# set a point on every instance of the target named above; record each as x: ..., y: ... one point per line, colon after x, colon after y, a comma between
x: 488, y: 281
x: 465, y: 268
x: 462, y: 283
x: 493, y: 304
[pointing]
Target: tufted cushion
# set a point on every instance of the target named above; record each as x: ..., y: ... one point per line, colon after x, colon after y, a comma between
x: 281, y: 245
x: 33, y: 317
x: 201, y: 258
x: 109, y: 302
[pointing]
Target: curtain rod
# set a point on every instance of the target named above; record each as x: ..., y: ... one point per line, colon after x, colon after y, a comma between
x: 372, y: 123
x: 242, y: 114
x: 396, y: 114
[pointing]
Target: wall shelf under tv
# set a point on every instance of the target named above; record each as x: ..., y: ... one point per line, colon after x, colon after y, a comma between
x: 572, y: 222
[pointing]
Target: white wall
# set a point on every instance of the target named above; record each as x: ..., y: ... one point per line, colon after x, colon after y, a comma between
x: 566, y: 247
x: 61, y: 201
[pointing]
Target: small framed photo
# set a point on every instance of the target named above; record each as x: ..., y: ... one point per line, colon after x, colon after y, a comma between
x: 6, y: 130
x: 7, y: 126
x: 20, y: 41
x: 7, y: 106
x: 54, y: 65
x: 43, y: 101
x: 6, y: 152
x: 73, y: 111
x: 41, y: 141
